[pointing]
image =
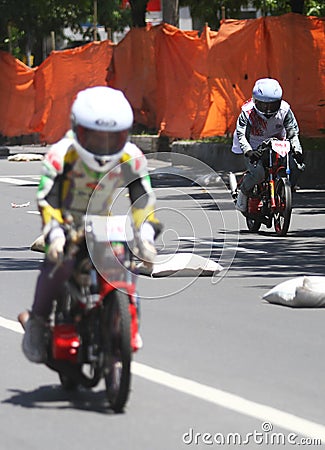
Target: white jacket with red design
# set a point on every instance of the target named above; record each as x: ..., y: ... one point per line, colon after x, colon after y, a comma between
x: 253, y: 128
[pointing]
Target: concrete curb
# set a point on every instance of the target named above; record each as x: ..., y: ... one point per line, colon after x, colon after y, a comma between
x: 220, y: 158
x: 216, y: 155
x: 4, y: 152
x: 148, y: 144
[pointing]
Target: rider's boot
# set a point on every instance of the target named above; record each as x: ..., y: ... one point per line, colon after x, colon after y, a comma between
x: 34, y: 340
x: 241, y: 203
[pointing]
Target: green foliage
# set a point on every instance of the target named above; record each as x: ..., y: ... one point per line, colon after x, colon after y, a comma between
x: 30, y: 21
x: 112, y: 16
x: 24, y: 24
x: 315, y: 8
x: 211, y: 11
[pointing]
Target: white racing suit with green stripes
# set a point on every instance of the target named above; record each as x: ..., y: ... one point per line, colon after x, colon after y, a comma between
x: 66, y: 187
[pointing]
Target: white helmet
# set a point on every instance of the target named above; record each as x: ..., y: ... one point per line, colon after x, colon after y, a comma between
x: 101, y: 118
x: 267, y: 96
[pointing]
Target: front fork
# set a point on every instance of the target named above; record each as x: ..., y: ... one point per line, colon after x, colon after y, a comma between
x: 272, y: 193
x: 134, y: 303
x: 271, y: 183
x: 134, y: 313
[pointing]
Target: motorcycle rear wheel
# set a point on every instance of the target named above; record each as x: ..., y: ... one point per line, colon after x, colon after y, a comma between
x: 68, y: 383
x: 283, y: 201
x: 117, y: 349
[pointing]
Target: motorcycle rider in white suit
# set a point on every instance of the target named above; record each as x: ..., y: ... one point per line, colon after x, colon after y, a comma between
x: 97, y: 146
x: 262, y: 117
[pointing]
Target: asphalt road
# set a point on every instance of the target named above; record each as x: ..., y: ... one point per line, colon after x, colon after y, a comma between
x: 217, y: 359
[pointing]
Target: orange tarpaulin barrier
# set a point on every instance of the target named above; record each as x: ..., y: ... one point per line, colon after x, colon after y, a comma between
x: 17, y: 96
x: 39, y: 100
x: 202, y: 81
x: 302, y: 72
x: 57, y: 81
x: 133, y: 70
x: 183, y: 89
x: 182, y: 84
x: 290, y: 48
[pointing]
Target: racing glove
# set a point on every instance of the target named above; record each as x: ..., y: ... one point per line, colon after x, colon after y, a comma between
x: 57, y: 243
x: 145, y: 248
x: 254, y: 155
x: 299, y: 157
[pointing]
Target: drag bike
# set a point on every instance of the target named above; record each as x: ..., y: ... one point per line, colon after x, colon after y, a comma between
x: 93, y: 328
x: 271, y: 200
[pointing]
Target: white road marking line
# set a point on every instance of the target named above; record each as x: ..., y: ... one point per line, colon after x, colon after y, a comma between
x: 218, y: 397
x: 247, y: 250
x: 11, y: 325
x: 33, y: 177
x: 307, y: 191
x: 17, y: 182
x: 33, y: 212
x: 230, y: 401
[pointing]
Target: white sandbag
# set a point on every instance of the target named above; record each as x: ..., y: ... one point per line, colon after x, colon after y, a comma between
x: 300, y: 292
x: 181, y: 265
x: 284, y: 293
x: 312, y: 293
x: 38, y: 245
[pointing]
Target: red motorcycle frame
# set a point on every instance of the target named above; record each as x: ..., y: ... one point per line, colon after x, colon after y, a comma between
x: 270, y: 201
x: 94, y: 327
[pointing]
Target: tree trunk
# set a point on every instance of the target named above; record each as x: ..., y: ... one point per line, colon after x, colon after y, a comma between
x: 138, y: 12
x: 297, y: 6
x: 170, y: 10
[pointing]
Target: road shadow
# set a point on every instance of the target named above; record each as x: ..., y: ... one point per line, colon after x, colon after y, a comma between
x: 16, y: 264
x: 55, y: 397
x: 291, y: 256
x: 23, y: 262
x: 309, y: 202
x: 301, y: 252
x: 14, y: 249
x: 264, y: 254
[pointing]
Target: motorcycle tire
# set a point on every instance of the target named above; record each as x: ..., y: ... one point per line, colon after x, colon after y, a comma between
x: 283, y: 201
x: 253, y: 225
x: 117, y: 351
x: 68, y: 383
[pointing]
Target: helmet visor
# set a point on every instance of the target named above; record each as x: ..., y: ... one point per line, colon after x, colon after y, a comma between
x: 268, y: 108
x: 101, y: 143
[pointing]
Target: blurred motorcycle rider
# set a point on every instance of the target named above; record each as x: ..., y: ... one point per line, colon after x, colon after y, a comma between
x: 97, y: 145
x: 262, y: 117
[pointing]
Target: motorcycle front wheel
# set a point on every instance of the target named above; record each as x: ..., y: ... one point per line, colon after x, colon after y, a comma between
x: 253, y: 225
x: 283, y: 202
x: 117, y: 351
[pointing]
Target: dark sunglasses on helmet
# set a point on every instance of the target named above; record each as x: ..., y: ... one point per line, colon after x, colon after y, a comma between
x: 268, y: 107
x: 101, y: 143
